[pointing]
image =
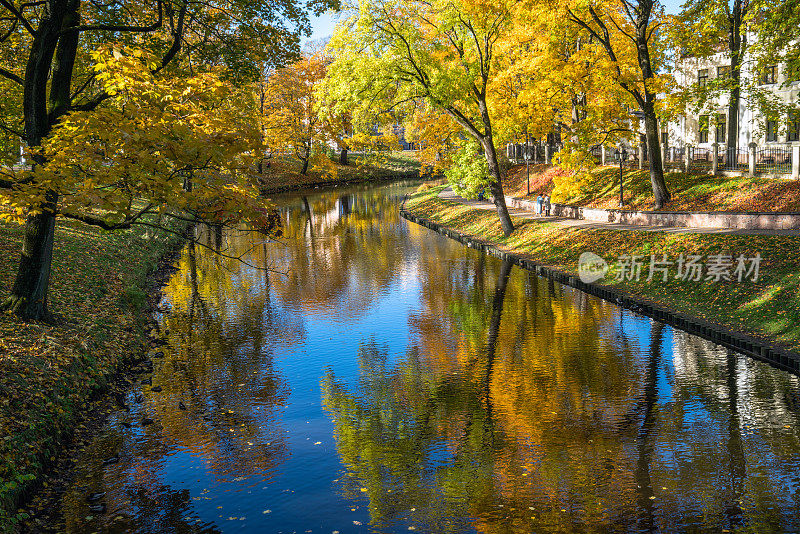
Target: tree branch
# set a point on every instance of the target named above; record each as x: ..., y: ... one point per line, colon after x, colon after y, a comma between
x: 117, y: 27
x: 178, y: 37
x: 11, y: 76
x: 11, y: 130
x: 91, y: 104
x: 8, y: 5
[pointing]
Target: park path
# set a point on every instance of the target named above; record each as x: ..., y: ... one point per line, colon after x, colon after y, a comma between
x: 449, y: 194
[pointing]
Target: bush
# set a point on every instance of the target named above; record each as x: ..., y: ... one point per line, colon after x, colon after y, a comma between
x: 469, y: 173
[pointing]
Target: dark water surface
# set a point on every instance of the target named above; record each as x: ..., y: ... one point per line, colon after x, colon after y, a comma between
x: 395, y: 381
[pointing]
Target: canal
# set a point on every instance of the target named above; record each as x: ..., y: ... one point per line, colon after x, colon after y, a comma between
x: 381, y: 378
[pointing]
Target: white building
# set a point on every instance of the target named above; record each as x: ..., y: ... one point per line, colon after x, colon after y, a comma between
x: 710, y: 124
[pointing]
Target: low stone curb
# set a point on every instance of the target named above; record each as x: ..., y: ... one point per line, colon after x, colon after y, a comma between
x: 779, y: 357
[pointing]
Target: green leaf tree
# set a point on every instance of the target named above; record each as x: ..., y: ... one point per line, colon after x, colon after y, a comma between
x: 392, y: 54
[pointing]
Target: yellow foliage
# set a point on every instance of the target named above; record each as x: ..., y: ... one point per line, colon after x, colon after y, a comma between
x: 437, y: 135
x: 289, y: 116
x: 151, y: 140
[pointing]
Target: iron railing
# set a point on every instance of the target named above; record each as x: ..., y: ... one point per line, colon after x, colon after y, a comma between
x: 674, y: 158
x: 768, y: 160
x: 596, y: 154
x: 774, y: 160
x: 732, y: 159
x: 699, y: 160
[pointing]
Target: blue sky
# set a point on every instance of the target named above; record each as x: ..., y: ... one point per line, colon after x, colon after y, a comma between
x: 323, y: 25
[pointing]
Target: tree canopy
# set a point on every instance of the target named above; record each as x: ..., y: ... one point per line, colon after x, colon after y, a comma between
x: 398, y: 54
x: 140, y: 100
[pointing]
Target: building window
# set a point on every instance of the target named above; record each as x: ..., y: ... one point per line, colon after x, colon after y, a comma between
x: 702, y: 77
x: 703, y: 128
x: 768, y: 75
x: 772, y: 131
x: 724, y: 72
x: 664, y: 138
x: 793, y: 133
x: 719, y: 132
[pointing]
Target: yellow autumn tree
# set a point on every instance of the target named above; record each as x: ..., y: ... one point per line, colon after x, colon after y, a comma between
x: 437, y: 135
x: 48, y: 71
x: 160, y: 149
x: 290, y: 118
x: 558, y: 81
x: 626, y: 34
x: 390, y: 55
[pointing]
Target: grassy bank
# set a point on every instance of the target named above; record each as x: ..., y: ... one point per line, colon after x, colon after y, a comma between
x: 690, y: 192
x: 284, y: 173
x: 49, y: 372
x: 768, y: 308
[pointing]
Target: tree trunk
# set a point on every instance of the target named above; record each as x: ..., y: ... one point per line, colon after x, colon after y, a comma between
x: 647, y: 102
x: 736, y: 44
x: 494, y: 333
x: 305, y: 166
x: 496, y: 186
x: 343, y: 157
x: 28, y: 298
x: 644, y: 441
x: 660, y: 192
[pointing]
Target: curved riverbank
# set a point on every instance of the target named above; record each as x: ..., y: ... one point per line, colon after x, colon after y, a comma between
x: 362, y: 169
x: 59, y: 380
x: 320, y: 184
x: 748, y: 324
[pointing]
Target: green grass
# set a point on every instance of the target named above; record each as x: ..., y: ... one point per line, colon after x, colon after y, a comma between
x: 768, y: 309
x: 49, y: 372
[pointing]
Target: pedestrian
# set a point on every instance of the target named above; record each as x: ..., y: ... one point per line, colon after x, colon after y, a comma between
x: 547, y: 205
x: 539, y: 203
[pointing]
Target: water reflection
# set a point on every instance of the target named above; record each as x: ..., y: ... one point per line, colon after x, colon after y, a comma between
x: 562, y: 419
x: 393, y: 379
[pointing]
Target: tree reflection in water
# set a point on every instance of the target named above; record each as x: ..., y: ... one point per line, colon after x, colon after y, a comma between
x: 484, y: 398
x: 219, y: 400
x: 555, y: 422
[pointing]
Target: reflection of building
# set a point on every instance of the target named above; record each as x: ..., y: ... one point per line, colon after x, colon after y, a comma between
x: 717, y: 374
x: 342, y: 208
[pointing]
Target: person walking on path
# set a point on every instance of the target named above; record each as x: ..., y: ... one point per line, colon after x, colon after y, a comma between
x: 547, y: 205
x: 539, y: 203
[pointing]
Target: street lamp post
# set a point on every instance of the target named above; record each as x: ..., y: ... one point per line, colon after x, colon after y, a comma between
x: 621, y: 157
x: 528, y: 162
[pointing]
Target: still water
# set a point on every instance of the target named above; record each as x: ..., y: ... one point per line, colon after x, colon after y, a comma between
x: 383, y: 378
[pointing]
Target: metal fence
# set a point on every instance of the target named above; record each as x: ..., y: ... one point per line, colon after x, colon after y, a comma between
x: 533, y: 152
x: 732, y: 159
x: 674, y: 158
x: 774, y: 160
x: 699, y: 160
x: 596, y: 153
x: 632, y: 162
x: 768, y: 160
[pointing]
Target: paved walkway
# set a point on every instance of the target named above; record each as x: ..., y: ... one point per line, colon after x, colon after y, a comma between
x: 449, y: 194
